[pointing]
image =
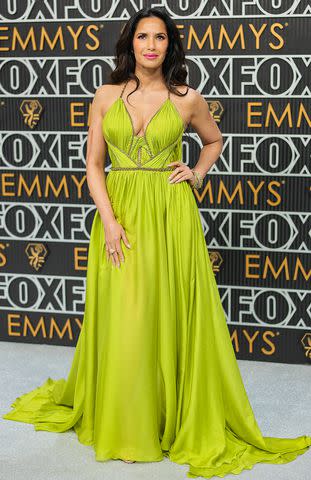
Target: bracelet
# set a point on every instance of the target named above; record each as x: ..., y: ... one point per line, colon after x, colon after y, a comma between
x: 198, y: 179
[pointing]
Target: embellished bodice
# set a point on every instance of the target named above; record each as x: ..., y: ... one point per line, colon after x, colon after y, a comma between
x: 160, y: 145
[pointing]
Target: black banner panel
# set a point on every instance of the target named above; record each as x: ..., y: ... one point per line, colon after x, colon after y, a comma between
x: 250, y: 59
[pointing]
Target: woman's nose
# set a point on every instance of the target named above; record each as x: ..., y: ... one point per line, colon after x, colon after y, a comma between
x: 151, y: 43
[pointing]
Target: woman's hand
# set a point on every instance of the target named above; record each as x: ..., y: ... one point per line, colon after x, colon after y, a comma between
x: 180, y: 173
x: 113, y: 234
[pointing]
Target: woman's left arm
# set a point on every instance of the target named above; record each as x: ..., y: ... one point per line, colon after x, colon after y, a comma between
x: 206, y: 127
x: 209, y: 133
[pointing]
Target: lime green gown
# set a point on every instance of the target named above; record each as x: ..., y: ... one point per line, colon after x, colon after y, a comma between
x: 154, y: 373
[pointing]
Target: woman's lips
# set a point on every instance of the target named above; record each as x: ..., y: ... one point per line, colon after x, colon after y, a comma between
x: 151, y: 56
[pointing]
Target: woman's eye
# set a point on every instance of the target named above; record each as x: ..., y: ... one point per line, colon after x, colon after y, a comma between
x: 143, y: 35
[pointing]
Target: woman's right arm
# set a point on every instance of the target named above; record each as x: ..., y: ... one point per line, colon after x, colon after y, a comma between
x: 95, y: 158
x: 95, y: 174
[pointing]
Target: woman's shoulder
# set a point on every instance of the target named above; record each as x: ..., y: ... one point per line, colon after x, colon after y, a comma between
x: 189, y: 98
x: 107, y: 94
x: 187, y: 92
x: 109, y: 89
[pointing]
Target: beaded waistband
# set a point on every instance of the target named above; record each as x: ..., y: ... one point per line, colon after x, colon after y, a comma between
x: 143, y: 168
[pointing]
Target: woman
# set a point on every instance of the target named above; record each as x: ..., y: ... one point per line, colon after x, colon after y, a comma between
x: 154, y: 372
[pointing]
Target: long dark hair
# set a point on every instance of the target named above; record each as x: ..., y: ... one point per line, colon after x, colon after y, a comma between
x: 174, y: 66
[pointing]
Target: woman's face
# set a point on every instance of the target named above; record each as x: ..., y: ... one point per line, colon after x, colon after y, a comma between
x: 150, y: 42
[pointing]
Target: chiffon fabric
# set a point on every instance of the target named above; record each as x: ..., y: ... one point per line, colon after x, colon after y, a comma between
x: 154, y: 373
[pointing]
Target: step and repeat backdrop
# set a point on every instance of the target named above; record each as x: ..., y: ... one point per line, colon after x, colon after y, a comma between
x: 251, y: 61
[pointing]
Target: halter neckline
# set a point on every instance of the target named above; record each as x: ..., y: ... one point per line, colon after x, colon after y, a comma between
x: 148, y: 123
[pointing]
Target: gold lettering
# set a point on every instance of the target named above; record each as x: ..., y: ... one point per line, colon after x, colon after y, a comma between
x: 75, y: 35
x: 208, y: 34
x: 276, y: 194
x: 16, y: 39
x: 223, y: 34
x: 287, y: 112
x: 249, y: 265
x: 22, y: 186
x: 74, y: 113
x: 12, y: 324
x: 34, y: 331
x: 266, y: 338
x: 3, y: 258
x: 77, y: 320
x: 5, y: 183
x: 23, y: 326
x: 60, y: 333
x: 250, y: 339
x: 235, y: 338
x: 52, y: 43
x: 255, y: 190
x: 79, y: 257
x: 302, y: 112
x: 223, y: 189
x: 273, y: 119
x: 276, y: 35
x: 251, y: 114
x: 268, y: 266
x: 79, y: 184
x: 89, y: 29
x: 4, y: 37
x: 257, y: 33
x: 56, y: 191
x: 300, y: 267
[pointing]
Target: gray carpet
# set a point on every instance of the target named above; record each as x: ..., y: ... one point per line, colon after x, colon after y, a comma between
x: 280, y: 396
